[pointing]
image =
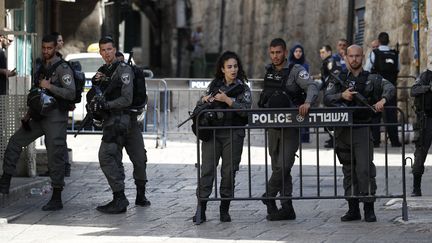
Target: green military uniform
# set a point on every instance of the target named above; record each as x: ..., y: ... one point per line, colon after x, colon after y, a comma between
x: 116, y: 125
x: 421, y: 91
x: 298, y: 88
x: 53, y: 126
x: 226, y: 147
x: 354, y: 146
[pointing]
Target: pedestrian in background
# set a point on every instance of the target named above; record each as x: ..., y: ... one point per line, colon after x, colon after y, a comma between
x: 198, y: 53
x: 385, y: 61
x: 297, y: 56
x: 5, y: 73
x: 341, y: 48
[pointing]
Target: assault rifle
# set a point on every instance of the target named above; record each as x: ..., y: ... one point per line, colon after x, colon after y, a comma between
x: 88, y: 119
x: 207, y: 105
x: 358, y: 97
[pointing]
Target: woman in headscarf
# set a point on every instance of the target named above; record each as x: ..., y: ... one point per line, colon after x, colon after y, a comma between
x: 297, y: 56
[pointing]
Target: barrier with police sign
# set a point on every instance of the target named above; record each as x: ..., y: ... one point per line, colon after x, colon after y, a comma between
x: 317, y: 117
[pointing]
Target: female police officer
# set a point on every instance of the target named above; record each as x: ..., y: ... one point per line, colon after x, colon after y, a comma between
x: 228, y: 91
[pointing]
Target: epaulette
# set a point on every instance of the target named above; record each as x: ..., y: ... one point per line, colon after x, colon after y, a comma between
x: 375, y: 77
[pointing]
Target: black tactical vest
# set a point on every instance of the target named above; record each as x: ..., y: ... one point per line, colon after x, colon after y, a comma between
x: 423, y: 102
x: 359, y: 84
x: 228, y: 118
x: 114, y: 92
x: 275, y: 93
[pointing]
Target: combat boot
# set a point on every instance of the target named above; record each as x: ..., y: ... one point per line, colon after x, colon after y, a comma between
x: 223, y: 210
x: 203, y: 215
x: 56, y: 202
x: 141, y: 199
x: 417, y: 186
x: 270, y: 204
x: 353, y: 211
x: 117, y: 205
x: 369, y: 214
x: 5, y: 181
x: 285, y: 213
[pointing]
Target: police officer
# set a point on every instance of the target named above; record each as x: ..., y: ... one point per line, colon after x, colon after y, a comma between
x: 385, y: 62
x: 422, y: 93
x: 60, y: 84
x: 134, y: 145
x: 329, y: 64
x: 115, y: 79
x: 377, y: 91
x: 285, y: 85
x: 227, y: 143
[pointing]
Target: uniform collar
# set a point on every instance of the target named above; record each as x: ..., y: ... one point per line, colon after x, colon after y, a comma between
x: 53, y: 60
x: 286, y: 66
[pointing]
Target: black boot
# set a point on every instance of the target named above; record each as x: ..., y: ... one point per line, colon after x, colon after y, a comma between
x: 5, y: 181
x: 117, y: 205
x: 270, y: 204
x: 203, y: 215
x: 417, y: 186
x: 141, y: 199
x: 56, y: 202
x: 285, y: 213
x: 369, y: 214
x: 353, y: 211
x: 223, y: 210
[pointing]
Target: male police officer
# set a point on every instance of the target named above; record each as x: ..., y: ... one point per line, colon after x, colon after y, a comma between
x: 377, y: 91
x: 385, y: 62
x: 422, y: 93
x: 115, y: 80
x: 60, y: 84
x: 329, y: 65
x: 285, y: 85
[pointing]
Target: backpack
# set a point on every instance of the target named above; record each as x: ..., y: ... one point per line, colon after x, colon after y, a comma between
x: 139, y: 99
x: 386, y: 64
x: 79, y: 79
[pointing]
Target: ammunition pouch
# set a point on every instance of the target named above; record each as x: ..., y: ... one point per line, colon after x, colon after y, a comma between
x: 116, y: 129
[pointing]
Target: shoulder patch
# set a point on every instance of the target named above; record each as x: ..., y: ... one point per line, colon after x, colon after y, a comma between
x: 330, y: 86
x: 303, y: 74
x: 125, y: 77
x: 67, y: 79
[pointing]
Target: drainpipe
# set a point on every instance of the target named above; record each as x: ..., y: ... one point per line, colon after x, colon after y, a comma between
x: 350, y: 22
x: 221, y: 26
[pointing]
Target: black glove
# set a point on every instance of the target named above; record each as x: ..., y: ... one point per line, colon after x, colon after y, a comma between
x: 99, y: 105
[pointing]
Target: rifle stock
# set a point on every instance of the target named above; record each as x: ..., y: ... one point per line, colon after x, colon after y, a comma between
x: 359, y: 97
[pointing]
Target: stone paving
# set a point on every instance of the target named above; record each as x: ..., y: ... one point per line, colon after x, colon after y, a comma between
x: 171, y: 189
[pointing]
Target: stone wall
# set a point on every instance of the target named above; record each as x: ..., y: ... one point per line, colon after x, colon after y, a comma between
x: 249, y: 25
x: 80, y: 24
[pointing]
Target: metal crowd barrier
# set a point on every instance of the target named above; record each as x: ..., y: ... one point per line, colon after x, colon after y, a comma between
x: 289, y: 118
x: 154, y: 119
